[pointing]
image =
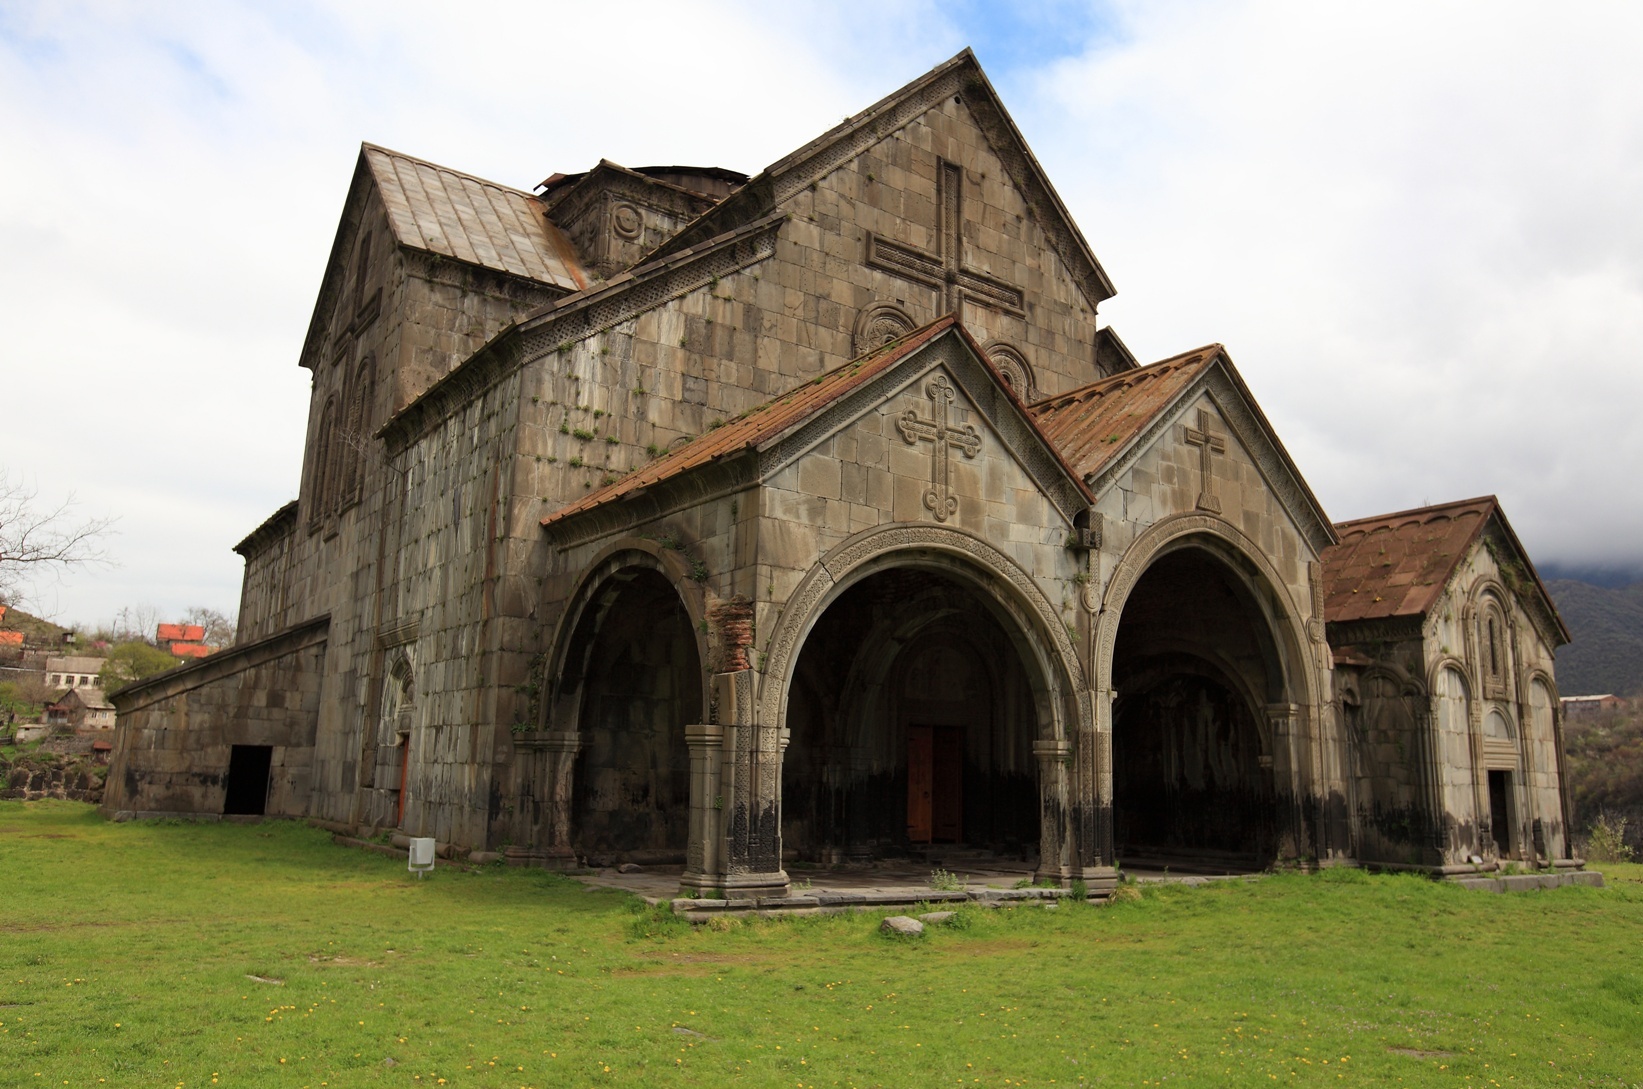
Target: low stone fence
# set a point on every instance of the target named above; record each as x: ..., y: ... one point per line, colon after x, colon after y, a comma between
x: 40, y: 775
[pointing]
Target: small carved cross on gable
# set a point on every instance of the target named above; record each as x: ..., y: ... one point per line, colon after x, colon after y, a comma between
x: 945, y: 270
x: 914, y: 428
x: 1209, y: 443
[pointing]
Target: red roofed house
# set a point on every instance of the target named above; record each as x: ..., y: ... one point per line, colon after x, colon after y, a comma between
x: 675, y: 516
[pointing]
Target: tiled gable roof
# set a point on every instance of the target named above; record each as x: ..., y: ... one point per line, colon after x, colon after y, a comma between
x: 1395, y: 565
x: 1398, y: 564
x: 1092, y: 424
x: 444, y: 211
x: 758, y: 427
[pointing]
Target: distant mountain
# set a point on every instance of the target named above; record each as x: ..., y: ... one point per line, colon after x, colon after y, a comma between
x: 1607, y: 652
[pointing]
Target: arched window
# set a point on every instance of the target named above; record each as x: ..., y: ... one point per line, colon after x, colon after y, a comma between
x: 362, y: 269
x: 356, y: 434
x: 1494, y: 651
x: 319, y: 491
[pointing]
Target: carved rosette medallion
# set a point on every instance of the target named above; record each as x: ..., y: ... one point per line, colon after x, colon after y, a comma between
x: 878, y: 325
x: 626, y: 222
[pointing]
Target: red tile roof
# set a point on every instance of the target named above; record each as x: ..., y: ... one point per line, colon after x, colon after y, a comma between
x: 181, y: 633
x: 769, y: 421
x: 11, y: 638
x: 191, y: 650
x: 1398, y: 564
x: 1091, y: 424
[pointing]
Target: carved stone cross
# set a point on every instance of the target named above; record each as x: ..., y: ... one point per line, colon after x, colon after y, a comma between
x: 944, y: 269
x: 914, y: 428
x: 1209, y: 443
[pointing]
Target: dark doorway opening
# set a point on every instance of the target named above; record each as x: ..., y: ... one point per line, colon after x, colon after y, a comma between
x: 247, y: 793
x: 1193, y: 666
x: 641, y: 680
x: 911, y: 720
x: 935, y: 784
x: 1500, y: 812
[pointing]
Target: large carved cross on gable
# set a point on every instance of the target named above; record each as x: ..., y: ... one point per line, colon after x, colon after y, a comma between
x: 1209, y: 443
x: 939, y: 497
x: 945, y: 269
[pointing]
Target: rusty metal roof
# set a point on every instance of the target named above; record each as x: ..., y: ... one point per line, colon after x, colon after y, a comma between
x: 1398, y: 564
x: 1091, y: 424
x: 444, y: 211
x: 760, y: 426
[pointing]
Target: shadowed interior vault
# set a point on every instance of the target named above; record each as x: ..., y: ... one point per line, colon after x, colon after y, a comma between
x: 1194, y: 667
x: 642, y: 685
x: 912, y: 723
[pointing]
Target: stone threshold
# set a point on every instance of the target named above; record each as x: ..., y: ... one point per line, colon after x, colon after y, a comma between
x: 1526, y: 882
x: 823, y: 903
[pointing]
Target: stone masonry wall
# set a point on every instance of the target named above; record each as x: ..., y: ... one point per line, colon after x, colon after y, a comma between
x: 172, y: 755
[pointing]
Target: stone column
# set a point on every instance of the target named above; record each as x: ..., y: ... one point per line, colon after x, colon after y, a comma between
x: 548, y: 760
x: 559, y: 750
x: 1289, y: 765
x: 703, y: 870
x: 752, y: 853
x: 1092, y: 853
x: 1053, y: 757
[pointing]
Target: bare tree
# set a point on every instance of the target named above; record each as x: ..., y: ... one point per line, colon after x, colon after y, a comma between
x: 219, y: 627
x: 35, y: 540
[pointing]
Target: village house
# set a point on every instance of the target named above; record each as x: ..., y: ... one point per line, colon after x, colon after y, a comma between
x: 83, y: 710
x: 676, y: 516
x: 73, y: 671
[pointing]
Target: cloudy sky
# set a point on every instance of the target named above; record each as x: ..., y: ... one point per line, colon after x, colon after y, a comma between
x: 1415, y: 226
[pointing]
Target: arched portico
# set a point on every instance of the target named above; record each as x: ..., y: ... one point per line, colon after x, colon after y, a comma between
x: 606, y: 773
x: 951, y: 591
x: 1209, y: 703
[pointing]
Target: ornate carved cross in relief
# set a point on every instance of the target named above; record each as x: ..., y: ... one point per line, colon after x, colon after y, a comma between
x: 944, y: 269
x: 914, y: 428
x: 1209, y: 443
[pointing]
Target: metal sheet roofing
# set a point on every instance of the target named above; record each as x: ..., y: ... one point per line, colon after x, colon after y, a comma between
x: 457, y: 215
x: 1398, y: 564
x: 1091, y: 424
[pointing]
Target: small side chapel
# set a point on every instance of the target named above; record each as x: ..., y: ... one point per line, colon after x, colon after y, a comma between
x: 676, y: 516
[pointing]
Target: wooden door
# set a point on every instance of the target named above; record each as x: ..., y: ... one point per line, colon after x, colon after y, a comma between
x: 920, y: 784
x: 947, y: 787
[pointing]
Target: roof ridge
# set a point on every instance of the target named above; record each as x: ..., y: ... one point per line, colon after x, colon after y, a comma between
x: 367, y: 145
x: 1430, y: 508
x: 1123, y: 378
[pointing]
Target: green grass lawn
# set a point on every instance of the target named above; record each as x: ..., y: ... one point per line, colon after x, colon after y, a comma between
x: 262, y: 955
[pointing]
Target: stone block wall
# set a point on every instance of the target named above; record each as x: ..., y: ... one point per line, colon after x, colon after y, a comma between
x: 177, y: 731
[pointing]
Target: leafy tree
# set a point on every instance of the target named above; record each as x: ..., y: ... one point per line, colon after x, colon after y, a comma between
x: 132, y: 661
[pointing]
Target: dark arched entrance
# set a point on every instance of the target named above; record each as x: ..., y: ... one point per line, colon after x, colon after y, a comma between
x: 1194, y: 667
x: 911, y: 722
x: 641, y: 684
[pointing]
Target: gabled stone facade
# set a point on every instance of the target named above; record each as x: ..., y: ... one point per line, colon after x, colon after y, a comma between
x: 676, y: 516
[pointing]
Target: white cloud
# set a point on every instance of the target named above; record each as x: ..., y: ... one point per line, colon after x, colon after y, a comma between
x: 1412, y: 225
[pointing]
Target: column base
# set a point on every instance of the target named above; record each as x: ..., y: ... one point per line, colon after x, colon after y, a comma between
x: 1100, y: 880
x: 749, y: 886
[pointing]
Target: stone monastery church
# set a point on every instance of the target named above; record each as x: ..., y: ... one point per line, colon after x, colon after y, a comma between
x: 676, y: 516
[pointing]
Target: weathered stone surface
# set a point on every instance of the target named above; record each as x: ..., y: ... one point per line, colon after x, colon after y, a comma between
x: 905, y: 618
x: 904, y: 925
x: 936, y: 918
